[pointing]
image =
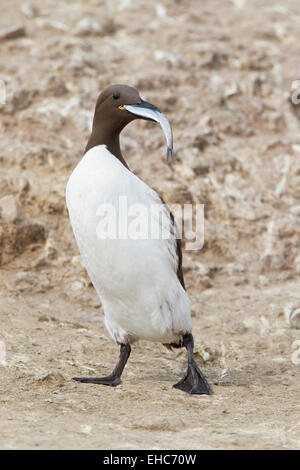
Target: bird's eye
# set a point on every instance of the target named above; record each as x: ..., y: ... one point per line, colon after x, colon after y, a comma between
x: 116, y: 96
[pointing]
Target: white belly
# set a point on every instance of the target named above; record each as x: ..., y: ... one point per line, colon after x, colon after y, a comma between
x: 136, y: 279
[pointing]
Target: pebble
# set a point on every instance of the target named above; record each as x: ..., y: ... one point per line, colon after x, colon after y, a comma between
x: 295, y: 210
x: 26, y: 281
x: 21, y: 99
x: 91, y: 27
x: 263, y: 280
x: 29, y: 10
x: 238, y: 280
x: 160, y: 423
x: 16, y: 232
x: 235, y: 268
x: 52, y: 378
x: 56, y: 86
x: 12, y: 32
x: 292, y: 315
x: 85, y: 428
x: 10, y: 211
x: 87, y: 27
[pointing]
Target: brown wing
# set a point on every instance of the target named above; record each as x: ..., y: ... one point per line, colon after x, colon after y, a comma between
x: 178, y: 246
x: 179, y: 269
x: 179, y: 255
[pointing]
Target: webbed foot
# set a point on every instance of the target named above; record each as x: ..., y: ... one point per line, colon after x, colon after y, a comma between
x: 110, y: 380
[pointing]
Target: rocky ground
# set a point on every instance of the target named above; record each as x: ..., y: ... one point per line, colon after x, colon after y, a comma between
x: 222, y: 71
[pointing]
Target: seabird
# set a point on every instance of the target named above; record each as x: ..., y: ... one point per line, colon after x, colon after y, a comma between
x: 139, y: 281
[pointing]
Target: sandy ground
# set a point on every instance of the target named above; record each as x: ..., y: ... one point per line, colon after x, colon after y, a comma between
x: 222, y: 72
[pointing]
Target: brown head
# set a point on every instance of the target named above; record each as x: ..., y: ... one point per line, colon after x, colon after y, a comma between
x: 116, y: 107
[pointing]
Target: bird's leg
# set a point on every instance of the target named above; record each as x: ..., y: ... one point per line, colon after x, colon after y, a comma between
x: 114, y: 378
x: 194, y: 381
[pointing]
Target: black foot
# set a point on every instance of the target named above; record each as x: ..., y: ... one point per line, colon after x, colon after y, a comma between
x: 111, y: 380
x: 194, y: 382
x: 114, y: 378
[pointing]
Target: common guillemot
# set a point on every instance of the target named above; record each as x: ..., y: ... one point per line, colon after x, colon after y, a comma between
x: 139, y: 281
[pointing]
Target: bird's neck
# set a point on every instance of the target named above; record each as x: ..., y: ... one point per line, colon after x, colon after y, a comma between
x: 110, y: 137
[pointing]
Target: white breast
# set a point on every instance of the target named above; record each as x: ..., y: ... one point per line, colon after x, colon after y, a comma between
x: 135, y: 279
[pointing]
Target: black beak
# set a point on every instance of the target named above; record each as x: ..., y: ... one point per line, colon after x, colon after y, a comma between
x: 146, y: 105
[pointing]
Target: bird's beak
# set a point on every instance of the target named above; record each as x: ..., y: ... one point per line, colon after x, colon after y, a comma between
x: 148, y: 111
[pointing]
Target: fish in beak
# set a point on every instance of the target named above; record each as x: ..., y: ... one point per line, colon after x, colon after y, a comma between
x: 150, y: 112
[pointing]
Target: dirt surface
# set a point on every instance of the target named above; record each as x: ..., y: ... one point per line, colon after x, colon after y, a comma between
x: 222, y: 71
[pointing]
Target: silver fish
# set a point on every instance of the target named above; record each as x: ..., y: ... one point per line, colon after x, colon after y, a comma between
x: 151, y: 112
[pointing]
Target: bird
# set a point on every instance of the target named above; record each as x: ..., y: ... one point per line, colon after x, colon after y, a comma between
x: 139, y: 279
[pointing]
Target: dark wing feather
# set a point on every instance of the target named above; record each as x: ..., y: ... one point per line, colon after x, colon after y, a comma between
x: 179, y: 254
x: 178, y: 246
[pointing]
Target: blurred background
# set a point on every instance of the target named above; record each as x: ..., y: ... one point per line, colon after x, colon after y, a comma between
x: 224, y: 73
